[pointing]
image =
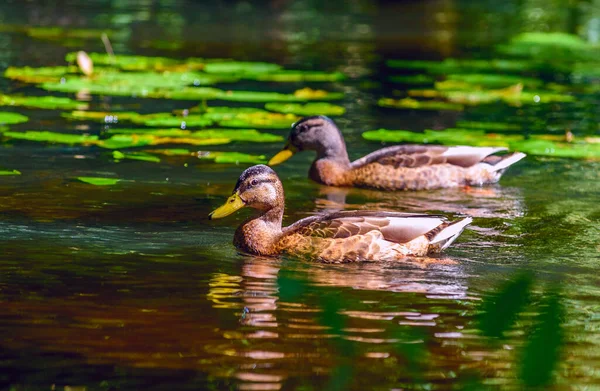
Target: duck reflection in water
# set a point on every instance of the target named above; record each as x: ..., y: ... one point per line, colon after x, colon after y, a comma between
x: 490, y: 202
x: 268, y: 321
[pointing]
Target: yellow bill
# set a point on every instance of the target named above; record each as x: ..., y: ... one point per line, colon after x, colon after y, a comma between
x: 287, y: 152
x: 233, y: 203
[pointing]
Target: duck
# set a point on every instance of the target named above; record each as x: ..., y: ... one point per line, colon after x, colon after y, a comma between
x: 344, y: 236
x: 398, y: 167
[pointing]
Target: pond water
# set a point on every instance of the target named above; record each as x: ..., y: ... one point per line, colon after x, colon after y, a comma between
x: 130, y: 286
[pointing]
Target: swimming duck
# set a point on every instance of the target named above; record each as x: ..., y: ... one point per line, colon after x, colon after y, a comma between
x: 400, y: 167
x: 335, y: 237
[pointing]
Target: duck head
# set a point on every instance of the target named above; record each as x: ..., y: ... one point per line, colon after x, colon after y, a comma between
x: 318, y: 133
x: 258, y: 187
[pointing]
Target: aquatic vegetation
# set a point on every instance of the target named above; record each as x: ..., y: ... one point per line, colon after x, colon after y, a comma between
x: 319, y: 108
x: 231, y: 157
x: 42, y: 102
x: 240, y: 67
x: 98, y: 181
x: 502, y: 126
x: 550, y: 46
x: 53, y: 137
x: 495, y: 80
x: 540, y: 145
x: 7, y: 118
x: 39, y: 75
x: 84, y: 62
x: 415, y: 79
x: 135, y: 63
x: 298, y: 76
x: 453, y: 65
x: 118, y: 155
x: 409, y: 103
x: 9, y: 172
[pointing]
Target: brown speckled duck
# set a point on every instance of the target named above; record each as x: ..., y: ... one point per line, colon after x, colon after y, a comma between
x: 336, y: 237
x: 400, y: 167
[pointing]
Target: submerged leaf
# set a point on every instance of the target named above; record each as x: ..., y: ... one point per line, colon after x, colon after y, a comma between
x: 98, y: 181
x: 541, y: 352
x: 500, y: 310
x: 320, y: 108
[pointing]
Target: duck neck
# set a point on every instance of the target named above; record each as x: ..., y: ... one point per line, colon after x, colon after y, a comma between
x: 334, y: 150
x: 259, y: 235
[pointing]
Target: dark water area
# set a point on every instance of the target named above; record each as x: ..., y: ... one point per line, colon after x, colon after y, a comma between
x: 131, y: 287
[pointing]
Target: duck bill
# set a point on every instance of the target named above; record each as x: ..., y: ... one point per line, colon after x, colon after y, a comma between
x: 287, y: 152
x: 232, y: 204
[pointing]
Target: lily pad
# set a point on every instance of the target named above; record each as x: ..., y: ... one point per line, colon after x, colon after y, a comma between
x: 118, y: 155
x: 231, y: 157
x: 98, y: 181
x: 318, y: 108
x: 128, y: 62
x: 453, y: 65
x: 301, y: 95
x: 53, y: 137
x: 240, y: 67
x: 171, y: 152
x: 12, y: 118
x: 299, y: 76
x: 553, y: 46
x: 42, y: 102
x: 39, y: 75
x: 501, y: 126
x: 495, y: 80
x: 9, y: 172
x: 119, y: 141
x: 408, y: 103
x: 412, y: 79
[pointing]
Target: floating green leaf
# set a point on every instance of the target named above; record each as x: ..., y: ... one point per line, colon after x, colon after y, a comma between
x: 231, y: 157
x: 409, y: 103
x: 118, y: 155
x: 496, y: 80
x: 9, y: 172
x: 98, y: 181
x: 298, y: 76
x: 501, y: 126
x: 550, y: 46
x: 12, y: 118
x: 171, y: 152
x: 129, y: 62
x: 412, y: 79
x: 39, y: 75
x: 301, y: 95
x: 320, y: 108
x: 53, y: 137
x: 452, y: 65
x: 240, y: 67
x: 42, y: 102
x: 499, y: 311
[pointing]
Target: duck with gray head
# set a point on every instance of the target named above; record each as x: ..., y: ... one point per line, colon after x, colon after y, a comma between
x: 400, y: 167
x: 347, y: 236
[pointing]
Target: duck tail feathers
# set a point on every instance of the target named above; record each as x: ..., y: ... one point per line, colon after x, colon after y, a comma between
x: 448, y: 234
x: 506, y: 162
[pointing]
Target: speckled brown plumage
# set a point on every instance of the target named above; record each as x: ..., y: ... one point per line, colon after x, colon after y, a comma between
x: 401, y: 167
x: 348, y: 236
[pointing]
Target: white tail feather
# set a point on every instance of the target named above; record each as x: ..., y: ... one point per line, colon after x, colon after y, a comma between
x: 449, y: 234
x: 509, y: 161
x: 482, y: 152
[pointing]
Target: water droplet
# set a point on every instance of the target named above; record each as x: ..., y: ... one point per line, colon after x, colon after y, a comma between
x: 536, y: 98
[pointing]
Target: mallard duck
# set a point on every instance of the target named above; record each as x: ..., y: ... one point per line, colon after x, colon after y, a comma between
x: 334, y: 237
x: 400, y: 167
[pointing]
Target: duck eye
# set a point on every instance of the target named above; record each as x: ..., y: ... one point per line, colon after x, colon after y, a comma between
x: 253, y: 182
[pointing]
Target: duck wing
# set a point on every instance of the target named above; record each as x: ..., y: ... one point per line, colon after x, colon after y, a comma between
x: 395, y: 227
x: 425, y: 155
